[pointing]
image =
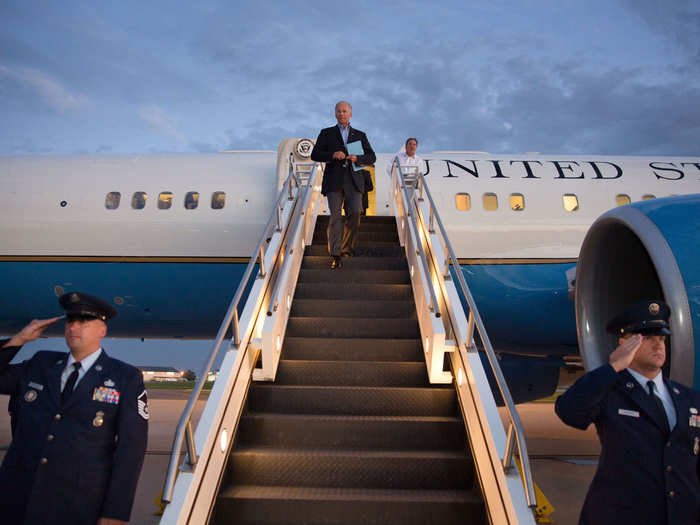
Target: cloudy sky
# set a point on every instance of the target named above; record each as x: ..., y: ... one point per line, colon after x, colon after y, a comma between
x: 554, y: 76
x: 600, y: 76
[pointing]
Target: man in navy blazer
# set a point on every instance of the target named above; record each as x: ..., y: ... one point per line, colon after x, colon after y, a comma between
x: 81, y: 425
x: 648, y: 426
x: 341, y: 182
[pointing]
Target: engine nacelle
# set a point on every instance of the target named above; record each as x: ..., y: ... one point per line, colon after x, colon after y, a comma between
x: 645, y: 250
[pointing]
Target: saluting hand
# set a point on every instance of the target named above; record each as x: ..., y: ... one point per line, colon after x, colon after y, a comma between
x: 623, y: 355
x: 31, y: 332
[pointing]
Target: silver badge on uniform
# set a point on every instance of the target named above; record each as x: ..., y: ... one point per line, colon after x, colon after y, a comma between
x: 98, y: 368
x: 630, y: 385
x: 99, y: 419
x: 30, y: 396
x: 109, y: 383
x: 676, y: 391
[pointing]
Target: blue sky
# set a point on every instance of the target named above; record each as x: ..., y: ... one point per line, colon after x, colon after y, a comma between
x: 616, y: 76
x: 597, y: 77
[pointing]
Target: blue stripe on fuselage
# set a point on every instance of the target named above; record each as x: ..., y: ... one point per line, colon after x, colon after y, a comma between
x: 525, y: 307
x: 161, y: 299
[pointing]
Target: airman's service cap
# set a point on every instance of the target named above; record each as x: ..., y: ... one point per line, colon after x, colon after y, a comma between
x: 79, y: 305
x: 646, y: 318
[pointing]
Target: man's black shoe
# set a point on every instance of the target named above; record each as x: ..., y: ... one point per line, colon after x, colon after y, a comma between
x: 336, y: 263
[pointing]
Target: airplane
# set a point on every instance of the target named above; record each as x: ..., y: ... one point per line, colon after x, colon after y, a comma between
x: 167, y: 238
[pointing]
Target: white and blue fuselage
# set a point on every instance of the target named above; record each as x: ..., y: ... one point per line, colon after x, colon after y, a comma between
x: 516, y: 224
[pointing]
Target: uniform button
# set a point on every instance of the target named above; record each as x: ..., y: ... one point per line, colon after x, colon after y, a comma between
x: 669, y: 468
x: 43, y: 461
x: 49, y: 437
x: 57, y: 417
x: 671, y: 494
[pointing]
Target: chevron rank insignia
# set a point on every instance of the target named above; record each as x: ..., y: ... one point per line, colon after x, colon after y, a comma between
x: 142, y: 404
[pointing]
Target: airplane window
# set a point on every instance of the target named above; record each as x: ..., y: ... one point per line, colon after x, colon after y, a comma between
x: 463, y: 201
x: 490, y: 202
x: 218, y: 200
x: 570, y: 202
x: 622, y: 199
x: 191, y: 200
x: 648, y: 197
x: 112, y: 200
x: 517, y: 202
x: 138, y: 200
x: 165, y: 200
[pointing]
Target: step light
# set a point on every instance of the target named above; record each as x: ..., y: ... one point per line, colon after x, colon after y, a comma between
x: 223, y: 440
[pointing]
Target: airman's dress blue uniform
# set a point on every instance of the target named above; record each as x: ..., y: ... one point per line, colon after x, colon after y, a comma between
x: 645, y: 474
x: 76, y: 463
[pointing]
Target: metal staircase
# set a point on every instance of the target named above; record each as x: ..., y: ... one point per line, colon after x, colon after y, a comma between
x: 354, y: 395
x: 351, y: 431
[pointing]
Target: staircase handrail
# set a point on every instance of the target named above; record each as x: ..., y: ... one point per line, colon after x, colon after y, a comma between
x: 184, y: 427
x: 434, y: 307
x: 515, y: 428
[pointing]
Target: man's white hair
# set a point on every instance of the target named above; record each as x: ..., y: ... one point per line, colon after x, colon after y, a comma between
x: 343, y: 102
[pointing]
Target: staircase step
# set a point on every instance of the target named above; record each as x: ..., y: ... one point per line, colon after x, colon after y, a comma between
x: 361, y: 250
x: 363, y: 237
x: 351, y: 373
x: 366, y: 220
x: 354, y: 276
x: 358, y: 349
x: 340, y: 290
x: 267, y: 505
x: 321, y: 262
x: 352, y: 327
x: 437, y: 401
x: 356, y: 308
x: 351, y: 432
x: 352, y: 468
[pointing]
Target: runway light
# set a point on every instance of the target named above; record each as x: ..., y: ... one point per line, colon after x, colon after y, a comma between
x: 460, y: 377
x: 223, y: 440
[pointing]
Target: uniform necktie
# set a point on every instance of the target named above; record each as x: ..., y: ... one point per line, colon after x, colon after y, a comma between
x: 70, y: 383
x: 658, y: 403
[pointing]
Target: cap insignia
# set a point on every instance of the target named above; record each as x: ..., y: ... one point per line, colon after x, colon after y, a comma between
x: 74, y: 298
x: 654, y: 308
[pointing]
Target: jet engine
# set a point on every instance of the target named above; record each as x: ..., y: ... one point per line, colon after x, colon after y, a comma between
x: 645, y: 250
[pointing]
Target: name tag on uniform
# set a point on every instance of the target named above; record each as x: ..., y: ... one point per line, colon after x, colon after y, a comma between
x: 36, y: 386
x: 106, y: 395
x: 630, y: 413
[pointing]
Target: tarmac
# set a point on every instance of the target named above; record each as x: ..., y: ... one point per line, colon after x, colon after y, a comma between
x: 563, y: 459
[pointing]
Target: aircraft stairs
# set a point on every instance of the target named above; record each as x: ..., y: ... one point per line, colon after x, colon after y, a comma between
x: 342, y: 399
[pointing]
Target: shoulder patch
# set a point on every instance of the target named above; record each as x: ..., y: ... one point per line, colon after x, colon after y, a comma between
x: 142, y: 404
